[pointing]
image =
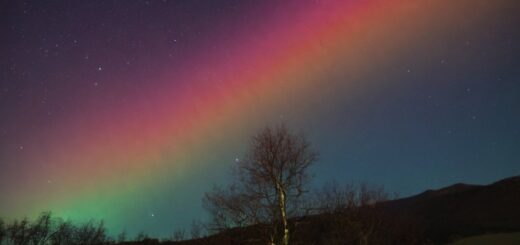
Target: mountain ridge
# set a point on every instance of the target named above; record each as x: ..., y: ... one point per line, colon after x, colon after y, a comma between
x: 445, y: 215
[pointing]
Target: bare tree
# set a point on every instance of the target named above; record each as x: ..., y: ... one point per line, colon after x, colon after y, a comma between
x: 271, y: 180
x: 197, y: 229
x: 18, y: 232
x: 141, y: 236
x: 64, y: 233
x: 40, y: 230
x: 121, y: 237
x: 230, y: 208
x: 352, y: 212
x: 3, y: 232
x: 178, y: 235
x: 91, y: 233
x: 48, y: 230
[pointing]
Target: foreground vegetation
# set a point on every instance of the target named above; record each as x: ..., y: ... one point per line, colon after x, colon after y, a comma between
x: 343, y: 214
x: 48, y: 230
x: 334, y: 214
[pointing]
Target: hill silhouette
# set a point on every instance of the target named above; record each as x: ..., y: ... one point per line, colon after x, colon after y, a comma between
x: 433, y: 216
x: 462, y: 210
x: 441, y: 215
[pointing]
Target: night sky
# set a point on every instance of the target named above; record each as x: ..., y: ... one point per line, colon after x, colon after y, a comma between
x: 128, y: 111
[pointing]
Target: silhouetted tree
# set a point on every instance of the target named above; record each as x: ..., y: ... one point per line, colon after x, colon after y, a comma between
x: 271, y: 179
x: 18, y: 232
x: 141, y: 236
x: 229, y: 208
x: 197, y: 229
x: 121, y: 237
x: 40, y: 230
x: 178, y: 235
x: 354, y: 214
x: 91, y: 233
x: 64, y: 233
x: 3, y: 232
x: 46, y: 230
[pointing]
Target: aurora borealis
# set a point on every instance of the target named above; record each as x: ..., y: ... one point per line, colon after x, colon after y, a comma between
x: 128, y: 111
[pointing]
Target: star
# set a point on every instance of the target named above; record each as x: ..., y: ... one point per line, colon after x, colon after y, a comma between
x: 100, y: 68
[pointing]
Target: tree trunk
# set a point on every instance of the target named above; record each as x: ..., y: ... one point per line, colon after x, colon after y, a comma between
x: 283, y: 214
x: 363, y: 240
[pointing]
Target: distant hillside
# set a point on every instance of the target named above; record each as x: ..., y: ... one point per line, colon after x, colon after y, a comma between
x: 463, y: 210
x: 442, y: 215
